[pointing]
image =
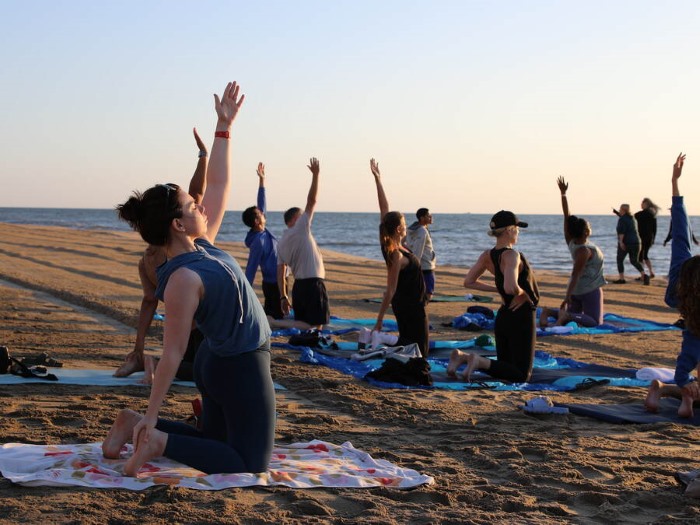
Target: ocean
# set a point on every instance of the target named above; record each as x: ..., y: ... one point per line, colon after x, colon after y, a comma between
x: 458, y: 238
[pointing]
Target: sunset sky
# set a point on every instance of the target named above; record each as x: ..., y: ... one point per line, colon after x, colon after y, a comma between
x: 469, y: 106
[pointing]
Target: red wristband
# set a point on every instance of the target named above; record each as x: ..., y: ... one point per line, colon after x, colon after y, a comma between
x: 222, y: 134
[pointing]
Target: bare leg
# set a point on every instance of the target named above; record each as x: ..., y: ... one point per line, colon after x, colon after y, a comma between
x: 544, y: 317
x: 149, y: 367
x: 457, y: 359
x: 657, y: 390
x: 133, y: 362
x: 146, y: 451
x: 475, y: 362
x: 686, y: 408
x: 120, y: 433
x: 562, y: 318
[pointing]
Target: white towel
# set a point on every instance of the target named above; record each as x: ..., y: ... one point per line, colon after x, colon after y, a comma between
x: 665, y: 375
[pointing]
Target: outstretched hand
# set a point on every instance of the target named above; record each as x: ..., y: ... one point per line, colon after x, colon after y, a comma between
x: 678, y: 166
x: 198, y: 140
x: 374, y: 166
x: 314, y: 166
x: 227, y: 107
x: 261, y: 170
x: 563, y: 185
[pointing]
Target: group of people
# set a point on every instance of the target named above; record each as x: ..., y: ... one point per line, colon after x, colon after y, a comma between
x: 210, y: 304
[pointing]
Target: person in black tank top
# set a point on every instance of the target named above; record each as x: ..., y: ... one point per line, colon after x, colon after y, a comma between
x: 515, y: 323
x: 405, y: 289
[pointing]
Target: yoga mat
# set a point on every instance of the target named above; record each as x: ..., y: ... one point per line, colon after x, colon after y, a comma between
x: 612, y: 324
x: 446, y: 299
x: 549, y: 373
x: 634, y: 412
x: 90, y: 377
x: 300, y: 465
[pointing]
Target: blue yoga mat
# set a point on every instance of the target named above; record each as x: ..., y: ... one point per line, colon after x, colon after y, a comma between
x: 634, y: 412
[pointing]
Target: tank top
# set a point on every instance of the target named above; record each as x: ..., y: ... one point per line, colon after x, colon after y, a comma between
x: 526, y: 278
x: 592, y: 276
x: 410, y: 288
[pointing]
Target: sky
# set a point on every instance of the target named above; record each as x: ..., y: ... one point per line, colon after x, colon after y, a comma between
x: 469, y: 106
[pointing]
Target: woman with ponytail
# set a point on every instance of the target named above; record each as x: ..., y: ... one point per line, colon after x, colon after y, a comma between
x: 584, y: 295
x: 405, y: 286
x: 204, y: 285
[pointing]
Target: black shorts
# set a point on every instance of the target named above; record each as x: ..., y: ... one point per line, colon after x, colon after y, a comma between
x: 310, y: 301
x: 273, y: 300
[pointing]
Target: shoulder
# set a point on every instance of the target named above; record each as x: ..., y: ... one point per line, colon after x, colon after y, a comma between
x: 183, y: 280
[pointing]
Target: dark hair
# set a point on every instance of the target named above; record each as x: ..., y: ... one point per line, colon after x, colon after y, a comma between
x: 689, y: 294
x: 290, y: 214
x: 653, y: 208
x: 387, y: 229
x: 576, y: 226
x: 248, y: 216
x: 422, y: 212
x: 151, y: 212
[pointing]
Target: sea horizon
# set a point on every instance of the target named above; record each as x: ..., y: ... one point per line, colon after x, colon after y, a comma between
x: 458, y: 238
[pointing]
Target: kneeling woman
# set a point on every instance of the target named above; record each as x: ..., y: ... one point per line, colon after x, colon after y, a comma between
x: 515, y: 323
x: 405, y: 288
x: 584, y: 295
x: 204, y: 284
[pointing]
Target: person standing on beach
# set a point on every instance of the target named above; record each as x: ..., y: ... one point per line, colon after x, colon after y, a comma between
x: 201, y: 283
x: 584, y: 294
x: 682, y: 292
x: 646, y: 223
x: 153, y: 257
x: 418, y: 240
x: 628, y: 244
x: 515, y: 330
x: 405, y: 286
x: 263, y: 250
x: 298, y: 249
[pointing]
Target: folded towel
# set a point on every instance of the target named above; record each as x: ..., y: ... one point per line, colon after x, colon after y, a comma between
x: 665, y: 375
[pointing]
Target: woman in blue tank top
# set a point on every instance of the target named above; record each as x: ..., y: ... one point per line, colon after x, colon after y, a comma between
x: 515, y: 323
x: 204, y: 285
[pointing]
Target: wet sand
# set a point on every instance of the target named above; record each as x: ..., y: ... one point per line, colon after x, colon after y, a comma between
x: 75, y: 294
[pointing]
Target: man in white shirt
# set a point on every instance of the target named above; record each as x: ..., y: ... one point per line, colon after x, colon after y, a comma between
x: 418, y: 240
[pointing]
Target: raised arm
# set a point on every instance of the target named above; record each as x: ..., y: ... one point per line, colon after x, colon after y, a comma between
x: 315, y: 169
x: 262, y: 199
x: 219, y: 170
x: 198, y: 183
x: 677, y: 170
x: 381, y: 196
x: 563, y: 186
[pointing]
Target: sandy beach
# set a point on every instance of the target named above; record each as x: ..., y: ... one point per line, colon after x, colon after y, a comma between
x: 75, y: 294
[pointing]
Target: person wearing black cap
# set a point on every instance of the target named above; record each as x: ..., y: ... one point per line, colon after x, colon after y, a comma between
x: 515, y: 323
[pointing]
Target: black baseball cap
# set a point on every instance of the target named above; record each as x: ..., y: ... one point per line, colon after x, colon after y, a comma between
x: 505, y: 218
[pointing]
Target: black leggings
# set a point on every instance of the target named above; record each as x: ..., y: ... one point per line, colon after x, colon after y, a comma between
x: 238, y: 415
x: 412, y: 320
x: 633, y: 251
x: 515, y: 344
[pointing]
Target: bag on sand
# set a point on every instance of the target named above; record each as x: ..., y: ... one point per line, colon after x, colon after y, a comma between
x: 414, y: 372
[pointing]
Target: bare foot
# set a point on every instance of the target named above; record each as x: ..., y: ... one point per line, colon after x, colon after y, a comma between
x: 544, y: 317
x: 651, y: 403
x: 146, y: 451
x: 472, y: 364
x: 132, y: 363
x: 149, y: 368
x: 457, y: 359
x: 120, y: 433
x: 686, y: 408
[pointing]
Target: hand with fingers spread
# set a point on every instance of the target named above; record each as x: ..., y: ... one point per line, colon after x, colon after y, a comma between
x: 229, y: 104
x: 678, y: 166
x: 563, y: 185
x: 314, y: 166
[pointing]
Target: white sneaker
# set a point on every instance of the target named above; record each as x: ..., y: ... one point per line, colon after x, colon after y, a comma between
x: 364, y: 338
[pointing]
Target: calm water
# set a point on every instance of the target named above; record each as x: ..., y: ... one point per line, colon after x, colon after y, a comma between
x: 458, y: 238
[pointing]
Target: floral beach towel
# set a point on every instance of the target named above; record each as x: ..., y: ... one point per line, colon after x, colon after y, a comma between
x: 300, y: 465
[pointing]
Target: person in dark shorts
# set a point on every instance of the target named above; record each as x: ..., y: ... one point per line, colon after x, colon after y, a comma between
x: 628, y: 244
x: 405, y: 289
x: 418, y: 240
x: 263, y: 250
x: 298, y: 249
x: 515, y: 329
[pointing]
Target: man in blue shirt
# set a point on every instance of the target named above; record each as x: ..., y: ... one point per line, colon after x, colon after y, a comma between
x: 263, y: 250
